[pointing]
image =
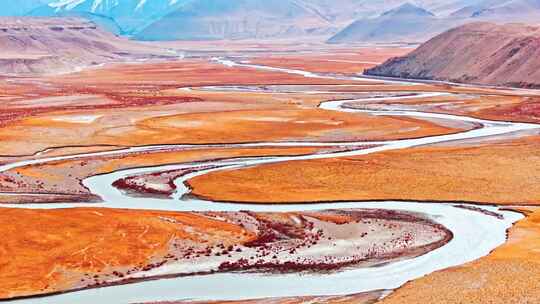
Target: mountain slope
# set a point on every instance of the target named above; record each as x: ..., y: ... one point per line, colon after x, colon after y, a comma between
x: 480, y: 53
x: 225, y: 19
x: 404, y: 23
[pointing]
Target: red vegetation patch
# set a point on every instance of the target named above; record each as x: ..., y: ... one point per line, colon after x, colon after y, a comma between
x: 527, y: 110
x: 158, y: 183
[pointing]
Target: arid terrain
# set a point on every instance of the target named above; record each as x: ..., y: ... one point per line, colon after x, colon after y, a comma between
x: 33, y: 46
x: 258, y: 166
x: 479, y: 53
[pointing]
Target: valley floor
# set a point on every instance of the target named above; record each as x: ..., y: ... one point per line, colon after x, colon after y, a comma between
x: 253, y: 129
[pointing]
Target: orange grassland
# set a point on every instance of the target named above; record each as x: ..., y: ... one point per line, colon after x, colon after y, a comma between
x: 493, y: 172
x: 70, y: 244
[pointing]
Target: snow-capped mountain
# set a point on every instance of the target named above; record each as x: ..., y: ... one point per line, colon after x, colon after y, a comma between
x: 110, y: 7
x: 196, y: 19
x: 130, y: 15
x: 96, y: 6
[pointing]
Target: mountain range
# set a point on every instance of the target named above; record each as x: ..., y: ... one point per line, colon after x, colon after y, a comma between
x: 405, y: 23
x: 411, y: 23
x: 239, y: 19
x: 360, y: 20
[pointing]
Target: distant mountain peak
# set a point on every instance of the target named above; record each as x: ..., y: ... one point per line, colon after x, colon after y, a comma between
x: 95, y: 6
x: 407, y: 22
x: 408, y: 9
x: 72, y: 4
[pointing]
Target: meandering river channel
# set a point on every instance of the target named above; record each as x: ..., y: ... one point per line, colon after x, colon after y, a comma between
x: 475, y: 233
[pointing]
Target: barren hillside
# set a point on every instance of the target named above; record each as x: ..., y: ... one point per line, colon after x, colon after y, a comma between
x: 52, y: 45
x: 480, y: 53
